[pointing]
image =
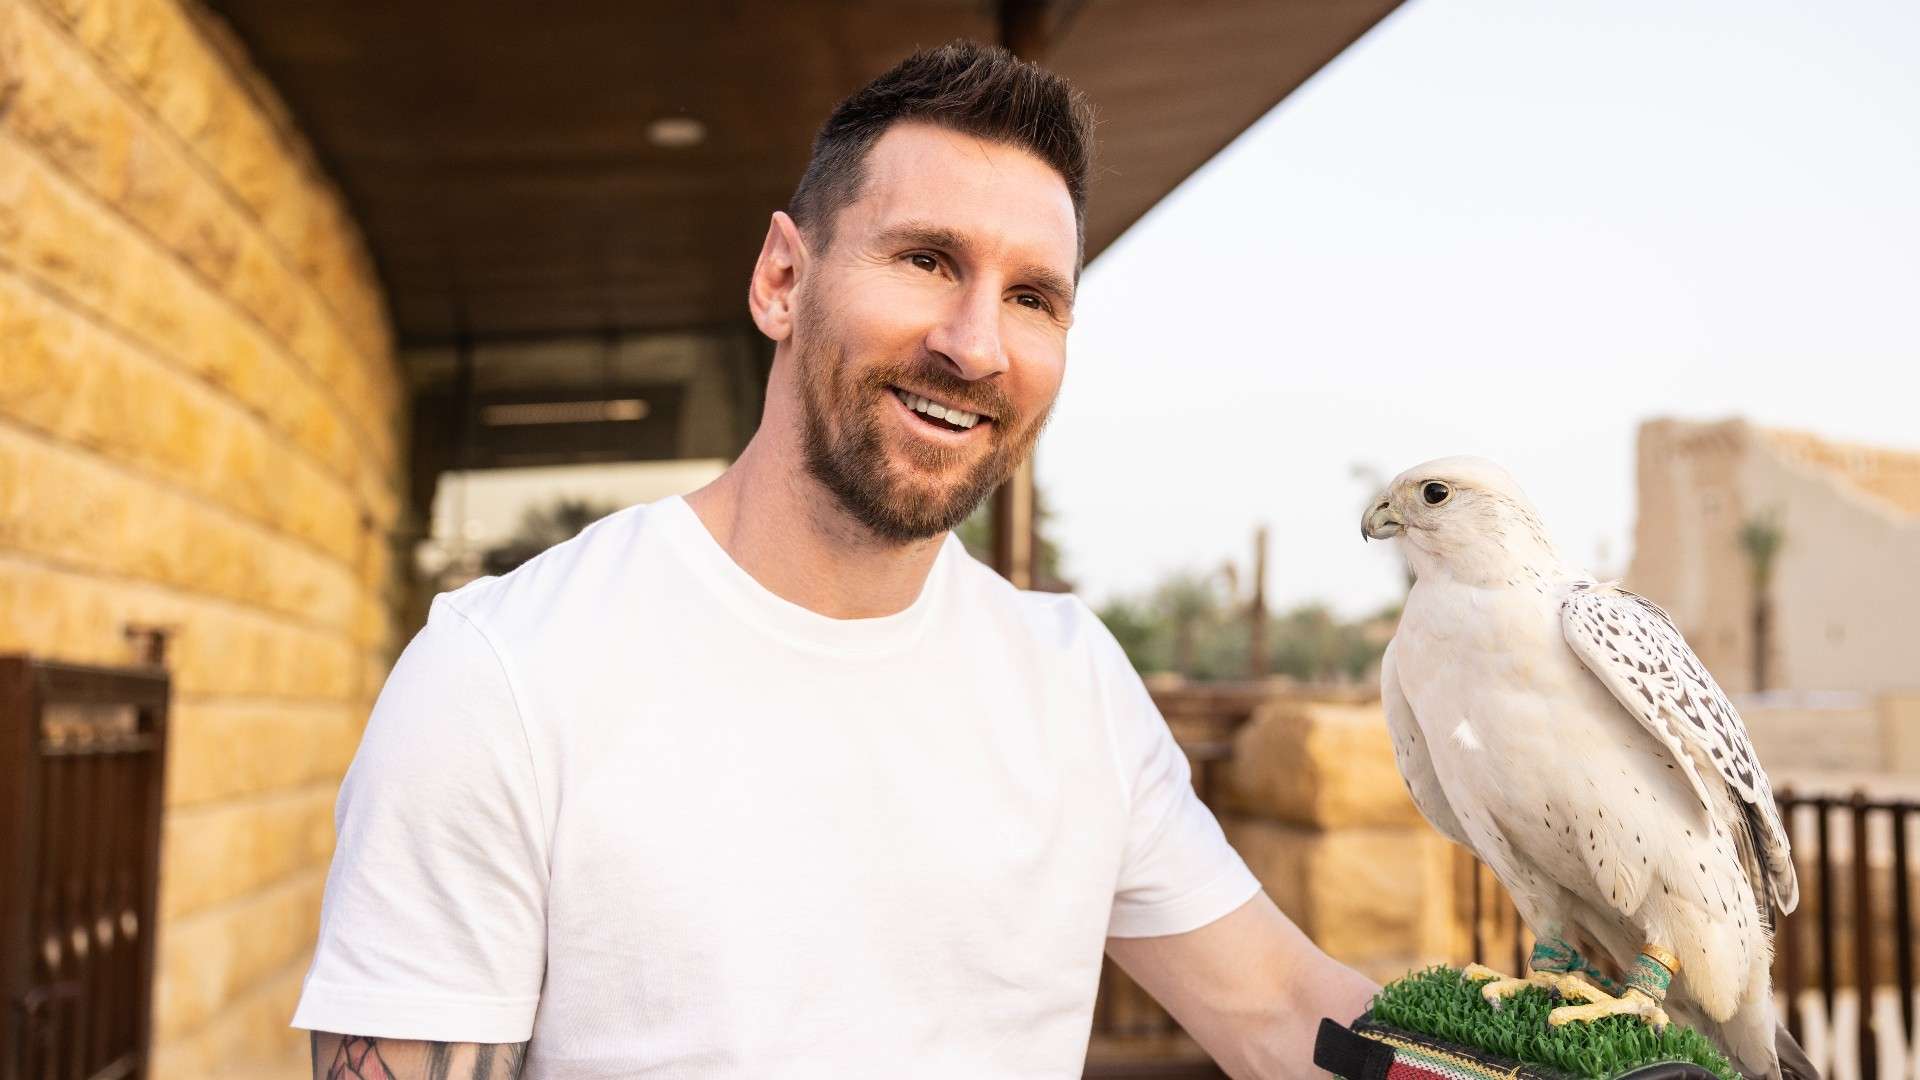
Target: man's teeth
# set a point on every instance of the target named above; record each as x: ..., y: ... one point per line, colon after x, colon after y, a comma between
x: 956, y: 417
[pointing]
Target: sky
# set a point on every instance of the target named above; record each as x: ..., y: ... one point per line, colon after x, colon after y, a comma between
x: 1503, y: 228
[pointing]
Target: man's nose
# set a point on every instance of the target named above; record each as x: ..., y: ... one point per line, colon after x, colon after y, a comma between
x: 969, y: 335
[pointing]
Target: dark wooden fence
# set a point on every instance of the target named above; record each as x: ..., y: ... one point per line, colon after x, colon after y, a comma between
x: 1849, y: 942
x: 1852, y: 935
x: 81, y: 759
x: 1133, y: 1037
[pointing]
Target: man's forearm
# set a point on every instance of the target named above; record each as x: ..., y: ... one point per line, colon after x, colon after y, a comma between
x: 1281, y: 1047
x: 358, y: 1057
x: 1249, y: 987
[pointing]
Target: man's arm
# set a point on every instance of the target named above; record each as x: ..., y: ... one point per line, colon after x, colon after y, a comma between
x: 435, y: 920
x: 1250, y: 987
x: 356, y: 1057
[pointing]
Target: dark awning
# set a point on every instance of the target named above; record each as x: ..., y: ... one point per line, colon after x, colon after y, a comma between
x: 502, y: 159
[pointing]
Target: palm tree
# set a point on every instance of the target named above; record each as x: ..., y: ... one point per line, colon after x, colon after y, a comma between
x: 1761, y: 539
x: 1187, y: 601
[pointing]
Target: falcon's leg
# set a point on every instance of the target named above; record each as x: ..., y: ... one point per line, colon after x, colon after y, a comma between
x: 1550, y: 966
x: 1653, y: 972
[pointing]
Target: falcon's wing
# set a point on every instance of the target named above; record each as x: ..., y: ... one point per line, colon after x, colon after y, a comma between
x: 1637, y: 653
x: 1410, y: 754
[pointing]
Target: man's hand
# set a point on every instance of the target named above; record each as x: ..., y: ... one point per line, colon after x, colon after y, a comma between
x: 356, y: 1057
x: 1250, y: 987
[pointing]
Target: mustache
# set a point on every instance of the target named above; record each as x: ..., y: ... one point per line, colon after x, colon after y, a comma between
x: 928, y: 376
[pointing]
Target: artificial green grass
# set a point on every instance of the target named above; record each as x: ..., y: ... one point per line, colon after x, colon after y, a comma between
x: 1440, y: 1002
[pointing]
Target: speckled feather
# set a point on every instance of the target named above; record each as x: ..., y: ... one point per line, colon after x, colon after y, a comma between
x: 1632, y: 646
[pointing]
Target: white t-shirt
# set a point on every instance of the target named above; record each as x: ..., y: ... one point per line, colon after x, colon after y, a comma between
x: 627, y: 803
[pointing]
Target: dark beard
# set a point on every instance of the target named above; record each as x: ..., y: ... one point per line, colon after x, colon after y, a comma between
x: 852, y: 463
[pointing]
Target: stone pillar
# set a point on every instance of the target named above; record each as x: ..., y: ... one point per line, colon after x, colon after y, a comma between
x: 201, y: 433
x: 1318, y: 810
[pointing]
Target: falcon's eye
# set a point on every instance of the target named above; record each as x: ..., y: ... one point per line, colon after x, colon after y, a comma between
x: 1435, y: 492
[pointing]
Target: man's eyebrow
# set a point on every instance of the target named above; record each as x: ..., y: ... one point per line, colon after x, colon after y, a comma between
x: 926, y: 234
x: 1050, y: 281
x: 920, y: 232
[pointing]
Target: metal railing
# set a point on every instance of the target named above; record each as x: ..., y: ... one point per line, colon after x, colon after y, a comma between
x: 1844, y: 965
x: 81, y: 758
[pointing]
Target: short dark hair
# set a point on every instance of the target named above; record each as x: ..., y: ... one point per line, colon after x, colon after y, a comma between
x: 979, y: 90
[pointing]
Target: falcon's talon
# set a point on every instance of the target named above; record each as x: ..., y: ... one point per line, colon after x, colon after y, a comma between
x: 1602, y: 1005
x: 1554, y: 982
x: 1500, y: 987
x: 1579, y: 989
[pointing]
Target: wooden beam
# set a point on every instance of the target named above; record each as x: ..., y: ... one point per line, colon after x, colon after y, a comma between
x: 1013, y: 527
x: 1257, y: 609
x: 1023, y: 26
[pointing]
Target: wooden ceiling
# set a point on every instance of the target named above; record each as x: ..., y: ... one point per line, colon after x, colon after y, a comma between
x: 497, y: 155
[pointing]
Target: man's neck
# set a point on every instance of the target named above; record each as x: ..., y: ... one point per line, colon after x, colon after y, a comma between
x: 786, y: 531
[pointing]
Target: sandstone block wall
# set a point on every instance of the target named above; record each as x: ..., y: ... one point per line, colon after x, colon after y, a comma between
x: 200, y: 429
x: 1318, y: 810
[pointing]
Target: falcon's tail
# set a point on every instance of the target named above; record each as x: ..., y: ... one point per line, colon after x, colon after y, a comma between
x: 1794, y: 1062
x: 1752, y: 1037
x: 1759, y: 1044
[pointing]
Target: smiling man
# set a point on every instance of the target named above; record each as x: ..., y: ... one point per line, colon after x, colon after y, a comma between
x: 774, y: 780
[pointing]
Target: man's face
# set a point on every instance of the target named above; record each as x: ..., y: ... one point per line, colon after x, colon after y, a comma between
x: 950, y: 280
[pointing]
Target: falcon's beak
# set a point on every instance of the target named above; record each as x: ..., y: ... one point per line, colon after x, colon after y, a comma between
x: 1379, y: 522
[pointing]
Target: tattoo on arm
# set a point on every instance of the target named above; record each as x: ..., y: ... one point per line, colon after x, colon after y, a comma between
x: 358, y: 1057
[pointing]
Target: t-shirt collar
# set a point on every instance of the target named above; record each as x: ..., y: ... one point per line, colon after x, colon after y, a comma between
x: 798, y: 625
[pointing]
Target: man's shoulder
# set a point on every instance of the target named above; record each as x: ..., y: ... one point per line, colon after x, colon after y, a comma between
x: 1056, y: 623
x: 569, y: 579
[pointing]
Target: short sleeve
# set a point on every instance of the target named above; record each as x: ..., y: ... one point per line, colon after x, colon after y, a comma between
x: 1179, y: 873
x: 434, y: 921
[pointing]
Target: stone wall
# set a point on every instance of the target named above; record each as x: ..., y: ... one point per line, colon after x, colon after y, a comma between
x: 1844, y: 595
x: 199, y: 430
x: 1319, y: 811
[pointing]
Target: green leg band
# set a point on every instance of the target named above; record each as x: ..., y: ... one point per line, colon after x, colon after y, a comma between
x: 1555, y: 956
x: 1600, y: 979
x: 1562, y: 958
x: 1650, y: 977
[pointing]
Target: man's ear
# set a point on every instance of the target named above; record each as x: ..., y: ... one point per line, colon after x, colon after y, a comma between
x: 783, y: 258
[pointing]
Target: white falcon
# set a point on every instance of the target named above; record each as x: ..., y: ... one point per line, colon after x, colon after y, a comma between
x: 1562, y: 730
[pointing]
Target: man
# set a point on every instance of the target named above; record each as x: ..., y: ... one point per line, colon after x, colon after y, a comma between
x: 775, y: 780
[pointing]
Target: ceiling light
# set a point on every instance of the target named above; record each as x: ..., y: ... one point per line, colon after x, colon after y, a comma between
x: 564, y: 412
x: 675, y: 132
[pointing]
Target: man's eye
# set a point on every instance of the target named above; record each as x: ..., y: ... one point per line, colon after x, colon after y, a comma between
x: 1034, y: 301
x: 924, y: 261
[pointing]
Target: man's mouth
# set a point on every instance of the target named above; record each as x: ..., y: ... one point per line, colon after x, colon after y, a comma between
x: 936, y: 414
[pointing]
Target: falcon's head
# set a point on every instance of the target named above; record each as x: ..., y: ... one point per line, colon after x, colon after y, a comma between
x: 1464, y: 514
